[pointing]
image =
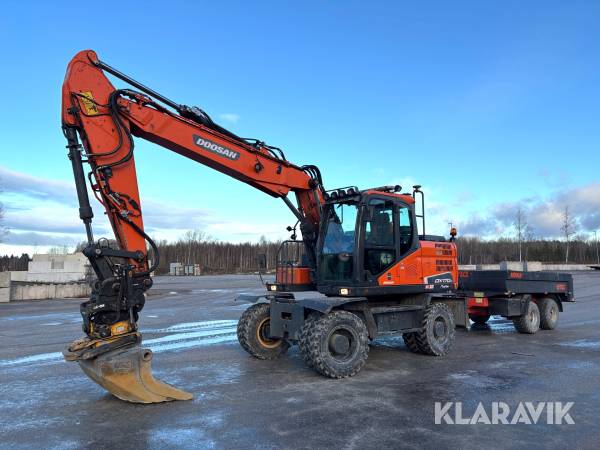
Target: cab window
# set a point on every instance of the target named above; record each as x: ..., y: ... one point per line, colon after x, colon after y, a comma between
x: 380, y: 252
x: 405, y: 229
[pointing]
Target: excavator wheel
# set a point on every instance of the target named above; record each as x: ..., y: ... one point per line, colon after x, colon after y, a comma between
x: 126, y: 373
x: 305, y: 331
x: 253, y: 333
x: 411, y: 342
x: 337, y: 344
x: 437, y: 332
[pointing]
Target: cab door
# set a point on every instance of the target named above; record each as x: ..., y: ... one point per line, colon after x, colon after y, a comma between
x: 408, y: 270
x: 380, y: 238
x: 389, y: 244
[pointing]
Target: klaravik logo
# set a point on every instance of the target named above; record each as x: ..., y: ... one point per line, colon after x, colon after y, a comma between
x: 213, y: 147
x: 529, y: 413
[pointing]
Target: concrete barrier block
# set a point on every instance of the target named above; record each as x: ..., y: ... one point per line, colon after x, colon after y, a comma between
x: 488, y: 267
x: 511, y: 265
x: 18, y: 275
x: 533, y: 266
x: 4, y: 295
x: 4, y: 279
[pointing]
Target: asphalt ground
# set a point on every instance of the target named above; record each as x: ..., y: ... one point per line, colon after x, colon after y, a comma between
x: 241, y: 402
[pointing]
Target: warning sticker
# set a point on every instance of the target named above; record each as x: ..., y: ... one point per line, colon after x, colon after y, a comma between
x: 88, y: 103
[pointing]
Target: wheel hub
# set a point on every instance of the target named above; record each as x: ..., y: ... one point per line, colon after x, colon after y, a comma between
x: 263, y: 334
x: 339, y: 344
x: 439, y: 329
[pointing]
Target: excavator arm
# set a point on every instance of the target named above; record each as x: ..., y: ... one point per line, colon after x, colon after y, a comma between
x: 100, y: 123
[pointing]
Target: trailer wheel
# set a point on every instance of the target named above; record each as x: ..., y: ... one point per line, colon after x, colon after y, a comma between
x: 529, y: 322
x: 437, y: 331
x: 336, y: 344
x: 411, y: 342
x: 305, y: 331
x: 253, y: 333
x: 479, y: 320
x: 548, y: 313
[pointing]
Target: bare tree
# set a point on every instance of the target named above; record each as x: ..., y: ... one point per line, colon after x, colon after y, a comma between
x: 529, y: 238
x: 520, y: 224
x: 568, y: 228
x: 192, y: 238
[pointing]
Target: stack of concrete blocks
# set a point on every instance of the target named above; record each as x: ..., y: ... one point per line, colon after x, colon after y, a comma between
x: 4, y: 287
x: 175, y: 268
x: 48, y: 276
x: 57, y: 268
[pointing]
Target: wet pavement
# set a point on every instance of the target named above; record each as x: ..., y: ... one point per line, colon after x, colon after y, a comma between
x: 241, y: 402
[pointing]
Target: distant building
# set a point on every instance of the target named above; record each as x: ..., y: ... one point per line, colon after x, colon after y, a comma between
x: 177, y: 268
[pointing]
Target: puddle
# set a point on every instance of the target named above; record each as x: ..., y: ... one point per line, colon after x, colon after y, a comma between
x: 191, y: 334
x: 473, y: 379
x: 582, y: 343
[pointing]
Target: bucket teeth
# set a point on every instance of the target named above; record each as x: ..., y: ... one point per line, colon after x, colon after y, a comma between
x: 127, y: 374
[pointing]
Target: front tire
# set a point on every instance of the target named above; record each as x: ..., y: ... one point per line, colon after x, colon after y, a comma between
x: 336, y: 344
x: 529, y: 322
x: 253, y: 333
x: 303, y: 341
x: 437, y: 332
x: 548, y: 313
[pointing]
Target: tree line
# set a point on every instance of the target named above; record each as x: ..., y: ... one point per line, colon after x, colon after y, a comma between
x: 225, y: 257
x: 473, y: 250
x: 216, y: 257
x: 14, y: 263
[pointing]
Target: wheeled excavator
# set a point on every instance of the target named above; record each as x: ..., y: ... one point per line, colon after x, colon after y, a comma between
x: 362, y: 250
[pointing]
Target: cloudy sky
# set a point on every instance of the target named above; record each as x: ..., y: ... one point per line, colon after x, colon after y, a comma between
x: 489, y: 107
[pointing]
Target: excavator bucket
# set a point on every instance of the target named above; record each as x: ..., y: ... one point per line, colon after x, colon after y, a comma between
x: 127, y: 374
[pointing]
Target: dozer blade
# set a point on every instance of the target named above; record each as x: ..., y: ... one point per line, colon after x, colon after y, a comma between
x: 126, y: 373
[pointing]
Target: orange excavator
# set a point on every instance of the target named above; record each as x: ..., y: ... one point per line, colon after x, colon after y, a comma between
x: 361, y: 249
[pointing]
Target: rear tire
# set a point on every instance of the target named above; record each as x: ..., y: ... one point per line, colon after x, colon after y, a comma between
x: 548, y: 313
x: 479, y: 320
x: 411, y: 342
x: 336, y: 344
x: 529, y: 322
x: 437, y: 333
x: 253, y: 333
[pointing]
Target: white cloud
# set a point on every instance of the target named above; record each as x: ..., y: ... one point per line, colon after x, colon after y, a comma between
x: 229, y: 117
x: 543, y: 215
x: 36, y: 187
x: 42, y: 212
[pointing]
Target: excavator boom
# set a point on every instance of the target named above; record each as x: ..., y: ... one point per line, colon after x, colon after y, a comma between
x: 100, y: 123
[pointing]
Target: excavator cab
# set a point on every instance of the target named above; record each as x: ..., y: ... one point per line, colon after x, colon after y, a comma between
x: 364, y: 237
x: 368, y: 245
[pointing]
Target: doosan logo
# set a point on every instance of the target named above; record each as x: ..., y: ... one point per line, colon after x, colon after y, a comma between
x: 213, y: 147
